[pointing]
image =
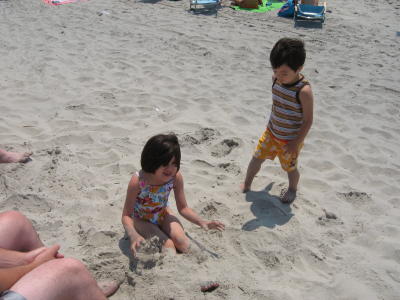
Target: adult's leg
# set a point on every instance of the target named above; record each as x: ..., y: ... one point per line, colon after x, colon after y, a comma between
x: 61, y: 279
x: 17, y: 232
x: 149, y: 230
x: 174, y: 229
x: 14, y: 157
x: 252, y: 170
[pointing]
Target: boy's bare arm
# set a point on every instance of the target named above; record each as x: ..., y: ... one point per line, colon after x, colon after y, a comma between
x: 307, y: 104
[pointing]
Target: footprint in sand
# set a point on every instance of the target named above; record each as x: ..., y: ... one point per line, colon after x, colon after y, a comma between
x: 201, y: 136
x: 101, y: 238
x: 149, y: 254
x: 213, y: 210
x: 75, y: 107
x: 224, y: 148
x: 27, y: 203
x: 356, y: 198
x: 270, y: 259
x: 230, y: 168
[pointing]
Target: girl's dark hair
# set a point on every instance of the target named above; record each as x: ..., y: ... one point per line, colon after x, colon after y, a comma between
x: 159, y: 150
x: 288, y: 51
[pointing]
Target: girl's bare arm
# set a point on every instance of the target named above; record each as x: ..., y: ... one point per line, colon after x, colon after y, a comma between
x: 127, y: 220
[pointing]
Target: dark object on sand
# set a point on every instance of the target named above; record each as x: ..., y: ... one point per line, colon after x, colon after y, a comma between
x: 209, y: 286
x: 330, y: 215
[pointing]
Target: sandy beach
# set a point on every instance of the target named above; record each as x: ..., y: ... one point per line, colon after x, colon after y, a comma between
x: 84, y: 85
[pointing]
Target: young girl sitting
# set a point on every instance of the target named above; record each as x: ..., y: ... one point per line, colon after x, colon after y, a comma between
x: 146, y: 212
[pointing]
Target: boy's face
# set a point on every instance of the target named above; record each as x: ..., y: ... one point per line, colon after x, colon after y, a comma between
x: 165, y: 173
x: 284, y: 74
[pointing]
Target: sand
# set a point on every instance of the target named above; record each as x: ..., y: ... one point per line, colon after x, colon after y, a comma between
x: 84, y: 85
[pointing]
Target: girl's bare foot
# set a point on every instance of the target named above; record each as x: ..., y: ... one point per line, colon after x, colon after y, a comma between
x: 14, y: 157
x: 108, y: 287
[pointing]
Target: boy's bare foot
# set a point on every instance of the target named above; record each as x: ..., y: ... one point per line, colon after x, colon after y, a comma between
x: 14, y: 157
x: 289, y: 196
x: 108, y: 287
x: 244, y: 188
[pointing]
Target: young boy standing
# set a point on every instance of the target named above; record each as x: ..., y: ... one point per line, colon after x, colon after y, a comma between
x: 291, y: 115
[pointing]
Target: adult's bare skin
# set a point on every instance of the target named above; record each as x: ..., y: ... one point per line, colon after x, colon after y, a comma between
x: 14, y: 157
x: 37, y: 272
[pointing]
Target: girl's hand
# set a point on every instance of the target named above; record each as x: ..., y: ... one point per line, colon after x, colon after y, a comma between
x: 213, y: 225
x: 136, y: 244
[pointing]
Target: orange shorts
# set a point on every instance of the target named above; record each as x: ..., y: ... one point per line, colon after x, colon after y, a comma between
x: 269, y: 147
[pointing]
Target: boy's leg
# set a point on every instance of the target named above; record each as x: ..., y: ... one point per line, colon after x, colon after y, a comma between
x: 60, y: 279
x: 252, y: 170
x: 149, y: 230
x: 174, y: 229
x: 17, y: 232
x: 289, y: 164
x: 14, y: 157
x: 290, y: 194
x: 265, y: 150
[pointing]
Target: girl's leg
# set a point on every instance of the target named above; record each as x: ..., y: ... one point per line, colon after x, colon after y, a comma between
x: 17, y: 232
x: 149, y: 230
x: 174, y: 229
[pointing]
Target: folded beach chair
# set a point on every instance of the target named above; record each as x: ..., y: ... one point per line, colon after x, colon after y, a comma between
x: 303, y: 11
x: 204, y: 4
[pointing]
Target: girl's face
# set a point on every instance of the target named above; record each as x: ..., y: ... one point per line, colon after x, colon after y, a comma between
x: 165, y: 173
x: 284, y: 74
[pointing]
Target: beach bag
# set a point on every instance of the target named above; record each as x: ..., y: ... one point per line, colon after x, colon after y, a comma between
x: 287, y: 9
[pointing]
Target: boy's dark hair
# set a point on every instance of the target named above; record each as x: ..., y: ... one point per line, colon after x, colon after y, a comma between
x: 159, y: 150
x: 288, y: 51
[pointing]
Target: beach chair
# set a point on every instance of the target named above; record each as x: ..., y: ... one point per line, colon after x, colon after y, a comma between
x: 310, y: 12
x: 204, y: 4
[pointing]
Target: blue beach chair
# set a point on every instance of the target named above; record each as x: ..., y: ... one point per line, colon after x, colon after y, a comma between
x: 309, y: 12
x: 204, y: 4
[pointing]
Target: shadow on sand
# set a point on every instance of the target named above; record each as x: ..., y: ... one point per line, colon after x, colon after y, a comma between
x: 150, y: 1
x: 125, y: 246
x: 308, y: 24
x: 268, y: 210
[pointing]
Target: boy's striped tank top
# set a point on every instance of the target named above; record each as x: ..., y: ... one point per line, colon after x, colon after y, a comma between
x: 286, y: 113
